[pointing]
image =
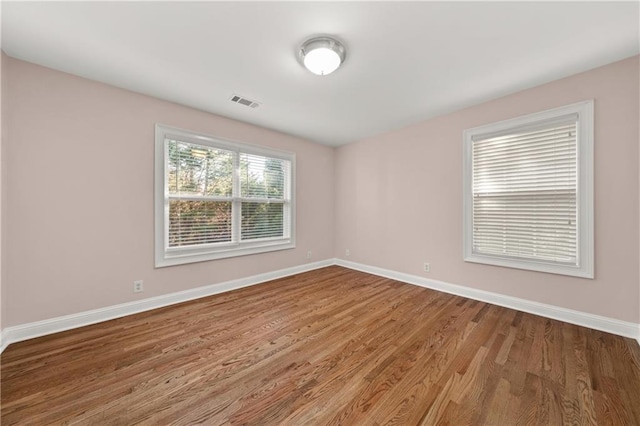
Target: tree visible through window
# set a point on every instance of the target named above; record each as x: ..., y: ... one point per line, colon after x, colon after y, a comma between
x: 200, y: 194
x: 221, y: 199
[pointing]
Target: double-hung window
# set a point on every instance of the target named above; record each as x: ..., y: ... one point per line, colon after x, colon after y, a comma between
x: 217, y: 199
x: 528, y: 192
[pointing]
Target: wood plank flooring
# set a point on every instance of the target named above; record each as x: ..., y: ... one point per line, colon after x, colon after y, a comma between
x: 328, y: 347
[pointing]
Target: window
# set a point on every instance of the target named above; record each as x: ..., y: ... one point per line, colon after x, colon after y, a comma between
x: 528, y: 192
x: 217, y: 199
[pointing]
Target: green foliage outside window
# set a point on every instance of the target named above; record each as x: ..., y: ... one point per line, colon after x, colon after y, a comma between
x: 200, y: 183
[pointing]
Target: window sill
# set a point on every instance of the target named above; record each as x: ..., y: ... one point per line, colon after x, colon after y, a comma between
x: 180, y: 257
x: 575, y: 271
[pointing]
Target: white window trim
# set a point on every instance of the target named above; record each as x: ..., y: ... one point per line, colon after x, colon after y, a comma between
x: 165, y: 256
x: 585, y: 231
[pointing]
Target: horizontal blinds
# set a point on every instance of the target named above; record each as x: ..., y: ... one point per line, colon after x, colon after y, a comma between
x: 262, y: 177
x: 262, y: 220
x: 199, y: 222
x: 198, y: 170
x: 202, y: 198
x: 524, y: 194
x: 264, y: 193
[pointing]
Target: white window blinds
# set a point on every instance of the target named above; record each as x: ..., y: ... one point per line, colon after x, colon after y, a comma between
x: 217, y: 199
x: 528, y: 192
x: 525, y: 191
x: 200, y: 182
x: 263, y: 192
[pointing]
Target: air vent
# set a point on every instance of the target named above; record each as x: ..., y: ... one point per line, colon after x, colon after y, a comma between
x: 244, y: 101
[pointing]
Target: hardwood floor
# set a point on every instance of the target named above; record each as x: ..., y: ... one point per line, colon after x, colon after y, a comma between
x: 328, y: 347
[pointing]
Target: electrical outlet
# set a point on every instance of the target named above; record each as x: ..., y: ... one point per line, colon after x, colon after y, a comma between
x: 309, y: 254
x: 347, y: 252
x: 427, y: 267
x: 138, y: 286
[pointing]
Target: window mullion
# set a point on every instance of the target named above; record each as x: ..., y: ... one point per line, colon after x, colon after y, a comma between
x: 236, y: 208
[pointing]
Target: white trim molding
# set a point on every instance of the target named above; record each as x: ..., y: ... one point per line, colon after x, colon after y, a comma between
x: 55, y: 325
x: 597, y: 322
x: 236, y: 246
x: 579, y: 114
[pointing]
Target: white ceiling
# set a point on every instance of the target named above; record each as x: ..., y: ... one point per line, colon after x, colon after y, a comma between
x: 406, y: 62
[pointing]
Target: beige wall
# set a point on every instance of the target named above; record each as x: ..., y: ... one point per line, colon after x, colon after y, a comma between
x: 399, y: 197
x: 79, y: 160
x: 78, y: 156
x: 2, y: 74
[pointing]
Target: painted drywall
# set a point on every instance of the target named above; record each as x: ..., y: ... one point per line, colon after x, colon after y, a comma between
x: 77, y: 157
x: 2, y: 109
x: 399, y: 197
x: 79, y: 192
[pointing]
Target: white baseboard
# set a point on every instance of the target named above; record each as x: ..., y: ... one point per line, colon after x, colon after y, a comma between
x: 597, y: 322
x: 54, y: 325
x: 3, y: 341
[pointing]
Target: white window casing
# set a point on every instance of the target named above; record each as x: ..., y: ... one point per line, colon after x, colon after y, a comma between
x: 528, y: 192
x: 216, y: 198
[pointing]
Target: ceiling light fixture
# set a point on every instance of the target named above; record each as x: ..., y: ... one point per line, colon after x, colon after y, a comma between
x: 322, y: 55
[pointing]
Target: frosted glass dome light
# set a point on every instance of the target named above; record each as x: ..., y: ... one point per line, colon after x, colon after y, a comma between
x: 322, y: 55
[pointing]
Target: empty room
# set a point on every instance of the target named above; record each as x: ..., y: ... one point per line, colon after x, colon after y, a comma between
x: 320, y: 213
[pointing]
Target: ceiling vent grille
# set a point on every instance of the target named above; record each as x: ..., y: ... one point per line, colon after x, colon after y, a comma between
x: 244, y: 101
